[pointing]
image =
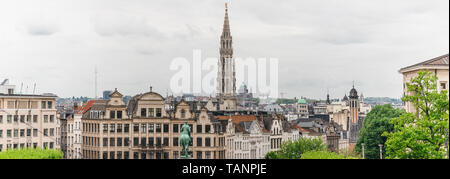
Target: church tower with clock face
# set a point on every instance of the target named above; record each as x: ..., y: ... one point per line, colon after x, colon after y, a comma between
x: 226, y: 77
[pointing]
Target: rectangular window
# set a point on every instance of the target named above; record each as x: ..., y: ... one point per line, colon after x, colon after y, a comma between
x: 175, y: 128
x: 28, y: 132
x: 151, y: 128
x: 52, y: 131
x: 105, y: 142
x: 1, y: 119
x: 151, y: 141
x: 143, y: 128
x: 119, y: 155
x: 199, y: 128
x: 136, y: 141
x: 158, y: 112
x: 126, y: 129
x: 126, y: 142
x: 112, y: 155
x: 151, y: 112
x: 28, y: 118
x: 143, y: 141
x: 166, y: 141
x: 207, y: 128
x: 136, y: 128
x: 50, y: 105
x: 199, y: 142
x: 45, y: 132
x: 112, y: 128
x: 119, y: 142
x: 35, y: 118
x: 105, y: 128
x: 112, y: 114
x: 199, y: 155
x: 43, y: 105
x: 143, y: 112
x: 119, y: 114
x: 52, y: 118
x: 443, y: 85
x: 126, y: 155
x: 16, y: 119
x: 207, y: 142
x: 158, y: 142
x: 166, y: 128
x: 158, y: 128
x: 45, y: 118
x: 175, y: 141
x: 112, y: 142
x: 1, y: 133
x: 119, y: 128
x: 22, y: 118
x: 35, y: 132
x: 22, y: 132
x: 105, y: 155
x: 9, y: 119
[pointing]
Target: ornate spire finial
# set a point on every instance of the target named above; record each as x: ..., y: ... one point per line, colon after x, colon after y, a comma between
x: 151, y: 89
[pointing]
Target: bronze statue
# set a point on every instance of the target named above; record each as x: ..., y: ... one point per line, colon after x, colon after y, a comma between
x: 185, y: 140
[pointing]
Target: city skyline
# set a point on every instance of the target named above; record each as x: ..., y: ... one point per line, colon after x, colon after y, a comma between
x: 59, y: 47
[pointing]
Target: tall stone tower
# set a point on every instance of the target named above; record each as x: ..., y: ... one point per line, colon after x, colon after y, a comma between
x: 354, y: 105
x: 355, y: 124
x: 226, y: 77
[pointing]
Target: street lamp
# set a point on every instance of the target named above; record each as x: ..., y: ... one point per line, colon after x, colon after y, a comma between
x: 381, y: 151
x: 364, y: 155
x: 446, y: 142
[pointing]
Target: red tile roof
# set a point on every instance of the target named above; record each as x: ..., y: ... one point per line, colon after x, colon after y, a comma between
x: 86, y: 107
x: 238, y: 119
x: 300, y: 128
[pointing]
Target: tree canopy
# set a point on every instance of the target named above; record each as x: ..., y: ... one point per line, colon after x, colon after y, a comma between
x: 295, y: 149
x: 377, y: 121
x: 421, y: 135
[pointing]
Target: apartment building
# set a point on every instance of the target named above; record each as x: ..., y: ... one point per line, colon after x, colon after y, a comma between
x: 145, y: 129
x: 252, y: 137
x: 28, y: 121
x: 439, y: 66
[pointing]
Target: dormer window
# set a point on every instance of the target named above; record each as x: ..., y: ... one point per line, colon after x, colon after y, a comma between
x: 183, y: 113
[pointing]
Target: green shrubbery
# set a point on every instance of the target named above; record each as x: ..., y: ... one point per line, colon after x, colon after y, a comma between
x: 325, y: 155
x: 295, y: 149
x: 307, y: 148
x: 31, y: 153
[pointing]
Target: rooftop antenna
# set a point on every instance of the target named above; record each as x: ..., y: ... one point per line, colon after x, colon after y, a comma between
x: 34, y: 88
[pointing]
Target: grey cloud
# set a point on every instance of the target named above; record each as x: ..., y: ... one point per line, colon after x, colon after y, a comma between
x: 127, y: 26
x: 42, y: 30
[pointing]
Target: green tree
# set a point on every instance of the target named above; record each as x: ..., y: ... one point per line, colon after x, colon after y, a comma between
x: 421, y: 135
x: 295, y: 149
x: 377, y: 121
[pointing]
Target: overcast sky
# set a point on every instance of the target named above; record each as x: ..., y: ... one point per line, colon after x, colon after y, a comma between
x: 320, y: 44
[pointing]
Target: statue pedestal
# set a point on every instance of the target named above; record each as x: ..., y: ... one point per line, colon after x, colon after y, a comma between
x: 186, y: 157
